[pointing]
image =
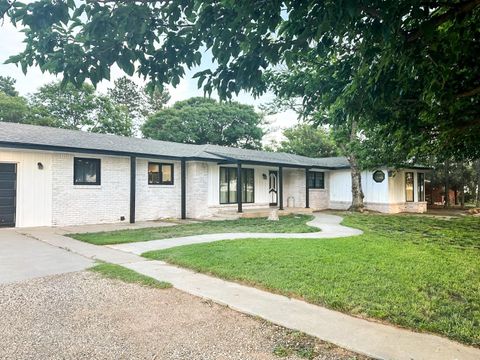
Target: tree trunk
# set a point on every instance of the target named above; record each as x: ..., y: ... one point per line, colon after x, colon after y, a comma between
x: 477, y: 202
x: 357, y: 192
x: 447, y: 185
x: 462, y: 185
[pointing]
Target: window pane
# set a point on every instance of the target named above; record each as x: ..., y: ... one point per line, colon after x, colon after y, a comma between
x: 247, y: 185
x: 228, y: 185
x: 153, y: 173
x: 223, y: 186
x: 86, y: 171
x: 233, y: 185
x: 167, y: 170
x: 421, y: 186
x: 311, y: 179
x: 244, y: 185
x: 409, y: 186
x: 250, y: 181
x: 316, y: 180
x: 321, y: 176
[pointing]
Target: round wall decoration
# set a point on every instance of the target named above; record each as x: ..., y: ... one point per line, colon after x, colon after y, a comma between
x: 379, y: 176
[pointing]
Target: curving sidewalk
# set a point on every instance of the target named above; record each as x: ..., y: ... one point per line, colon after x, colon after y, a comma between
x: 328, y: 224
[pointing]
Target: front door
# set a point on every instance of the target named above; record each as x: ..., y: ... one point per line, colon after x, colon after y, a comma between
x: 273, y: 187
x: 8, y: 194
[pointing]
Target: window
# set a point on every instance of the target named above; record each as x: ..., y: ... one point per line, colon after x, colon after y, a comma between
x: 409, y: 186
x: 378, y: 176
x: 421, y: 186
x: 228, y: 185
x: 160, y: 174
x: 86, y: 171
x: 316, y: 180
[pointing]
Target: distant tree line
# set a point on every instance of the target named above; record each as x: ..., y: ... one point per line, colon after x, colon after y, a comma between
x: 128, y: 109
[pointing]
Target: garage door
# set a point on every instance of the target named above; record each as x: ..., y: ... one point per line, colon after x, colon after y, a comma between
x: 8, y: 194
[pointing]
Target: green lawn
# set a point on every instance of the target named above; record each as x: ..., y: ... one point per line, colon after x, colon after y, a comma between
x: 419, y: 272
x: 286, y: 224
x: 113, y: 271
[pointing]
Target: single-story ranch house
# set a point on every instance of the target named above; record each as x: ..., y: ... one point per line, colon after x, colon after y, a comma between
x: 52, y: 176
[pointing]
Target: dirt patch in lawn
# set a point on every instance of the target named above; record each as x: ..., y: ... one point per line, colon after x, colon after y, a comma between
x: 84, y: 316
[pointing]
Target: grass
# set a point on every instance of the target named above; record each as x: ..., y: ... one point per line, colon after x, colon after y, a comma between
x: 113, y: 271
x: 286, y: 224
x: 460, y: 232
x: 418, y: 272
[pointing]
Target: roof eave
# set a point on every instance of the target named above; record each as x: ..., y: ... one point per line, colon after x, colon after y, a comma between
x: 55, y: 148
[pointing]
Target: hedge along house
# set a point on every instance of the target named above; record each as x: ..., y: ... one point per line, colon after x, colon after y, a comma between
x: 52, y: 176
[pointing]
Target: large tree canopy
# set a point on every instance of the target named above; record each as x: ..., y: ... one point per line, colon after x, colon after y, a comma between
x: 414, y: 62
x: 13, y: 108
x: 81, y: 108
x: 206, y: 121
x: 138, y: 102
x: 7, y: 86
x: 308, y: 140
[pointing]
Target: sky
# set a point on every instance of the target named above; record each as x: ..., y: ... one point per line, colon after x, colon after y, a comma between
x: 11, y: 44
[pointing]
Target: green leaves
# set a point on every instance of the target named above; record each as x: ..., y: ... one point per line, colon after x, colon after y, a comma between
x: 205, y: 121
x: 403, y: 63
x: 308, y: 140
x: 124, y: 61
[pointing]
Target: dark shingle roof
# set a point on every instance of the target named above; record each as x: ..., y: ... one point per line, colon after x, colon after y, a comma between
x: 47, y: 138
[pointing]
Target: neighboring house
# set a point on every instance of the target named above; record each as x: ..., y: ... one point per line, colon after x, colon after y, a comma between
x: 436, y: 195
x: 53, y: 176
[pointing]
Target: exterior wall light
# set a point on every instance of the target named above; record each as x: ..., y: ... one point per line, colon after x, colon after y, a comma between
x: 40, y: 166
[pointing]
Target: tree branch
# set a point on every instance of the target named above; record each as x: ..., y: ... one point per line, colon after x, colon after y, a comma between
x: 372, y: 12
x: 469, y: 93
x: 459, y: 9
x: 5, y: 7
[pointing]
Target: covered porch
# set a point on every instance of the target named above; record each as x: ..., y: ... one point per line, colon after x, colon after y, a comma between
x: 254, y: 188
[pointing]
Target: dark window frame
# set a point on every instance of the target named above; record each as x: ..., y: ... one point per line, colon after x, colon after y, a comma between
x: 413, y: 186
x: 421, y: 186
x: 376, y: 175
x: 244, y: 185
x: 98, y: 170
x: 161, y: 182
x: 312, y: 180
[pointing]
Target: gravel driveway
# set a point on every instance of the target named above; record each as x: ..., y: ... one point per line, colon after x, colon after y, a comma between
x: 84, y: 316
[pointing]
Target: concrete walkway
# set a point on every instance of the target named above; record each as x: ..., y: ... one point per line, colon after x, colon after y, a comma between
x: 329, y: 224
x: 23, y: 258
x: 362, y: 336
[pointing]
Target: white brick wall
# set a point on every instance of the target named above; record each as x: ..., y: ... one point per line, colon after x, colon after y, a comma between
x: 108, y: 202
x: 294, y: 187
x: 157, y: 201
x: 319, y: 198
x: 90, y: 204
x: 197, y: 190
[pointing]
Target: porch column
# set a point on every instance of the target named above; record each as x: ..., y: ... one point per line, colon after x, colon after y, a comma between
x: 183, y: 189
x: 133, y: 178
x: 239, y: 187
x: 307, y: 189
x: 280, y: 187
